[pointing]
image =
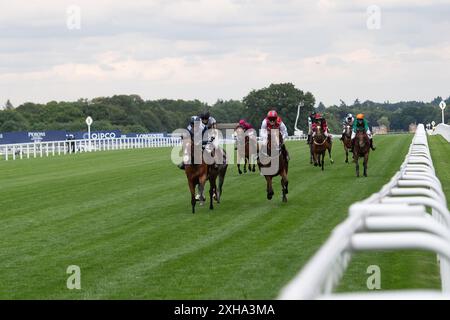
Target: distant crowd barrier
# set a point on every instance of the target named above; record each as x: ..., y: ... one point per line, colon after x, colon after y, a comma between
x: 409, y: 212
x: 443, y: 130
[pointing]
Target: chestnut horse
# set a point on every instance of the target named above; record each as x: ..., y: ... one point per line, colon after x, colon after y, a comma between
x: 196, y: 174
x: 347, y: 140
x: 243, y: 146
x: 267, y: 163
x: 319, y: 145
x: 361, y: 149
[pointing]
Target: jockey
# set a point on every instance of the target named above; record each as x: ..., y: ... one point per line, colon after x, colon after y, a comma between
x: 319, y: 121
x: 361, y: 124
x: 349, y: 119
x: 244, y: 125
x: 273, y: 121
x: 310, y: 122
x: 194, y: 122
x: 210, y: 124
x: 208, y: 121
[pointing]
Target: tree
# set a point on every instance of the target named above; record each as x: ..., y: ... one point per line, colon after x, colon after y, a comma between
x: 8, y: 105
x: 284, y: 98
x: 321, y: 107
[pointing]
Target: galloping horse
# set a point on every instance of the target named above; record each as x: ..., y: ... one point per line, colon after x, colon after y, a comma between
x: 267, y: 161
x: 347, y: 140
x: 361, y: 149
x: 218, y: 169
x: 196, y: 173
x: 319, y: 145
x: 244, y: 142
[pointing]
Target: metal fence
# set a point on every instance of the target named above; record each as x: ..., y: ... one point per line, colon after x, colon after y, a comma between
x: 396, y: 218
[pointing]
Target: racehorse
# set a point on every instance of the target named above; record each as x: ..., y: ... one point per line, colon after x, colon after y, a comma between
x: 361, y: 149
x: 196, y: 174
x: 243, y: 146
x: 319, y: 145
x: 216, y: 170
x: 265, y: 160
x: 347, y: 141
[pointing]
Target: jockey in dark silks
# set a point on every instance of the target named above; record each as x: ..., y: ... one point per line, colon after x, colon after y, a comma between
x: 193, y: 124
x: 359, y: 125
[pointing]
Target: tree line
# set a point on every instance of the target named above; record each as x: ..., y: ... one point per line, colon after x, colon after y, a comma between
x: 130, y: 113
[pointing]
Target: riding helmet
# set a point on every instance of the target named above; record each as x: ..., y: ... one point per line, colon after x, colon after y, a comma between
x: 360, y: 116
x: 272, y: 114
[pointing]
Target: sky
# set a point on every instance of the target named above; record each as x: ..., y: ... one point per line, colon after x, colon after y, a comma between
x: 378, y: 50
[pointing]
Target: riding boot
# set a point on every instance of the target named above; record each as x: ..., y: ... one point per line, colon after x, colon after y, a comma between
x: 371, y: 145
x: 342, y: 137
x: 353, y: 145
x: 181, y: 166
x: 309, y: 139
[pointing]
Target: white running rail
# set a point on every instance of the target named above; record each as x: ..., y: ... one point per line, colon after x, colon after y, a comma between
x: 396, y: 218
x: 52, y: 148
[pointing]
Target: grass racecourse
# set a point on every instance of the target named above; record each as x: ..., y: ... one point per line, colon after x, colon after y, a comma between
x: 124, y: 218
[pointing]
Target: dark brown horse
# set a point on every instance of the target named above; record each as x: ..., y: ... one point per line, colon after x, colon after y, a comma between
x: 196, y: 174
x: 247, y: 148
x: 273, y: 161
x: 216, y: 170
x: 319, y: 145
x: 347, y: 140
x: 361, y: 149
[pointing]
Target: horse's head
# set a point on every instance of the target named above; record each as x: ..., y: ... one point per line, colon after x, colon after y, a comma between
x: 319, y: 137
x: 362, y: 139
x: 348, y: 130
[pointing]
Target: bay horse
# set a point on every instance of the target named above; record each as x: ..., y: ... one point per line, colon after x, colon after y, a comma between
x: 196, y: 174
x: 347, y: 140
x: 319, y: 145
x: 244, y: 144
x: 267, y: 163
x: 361, y: 149
x: 216, y: 170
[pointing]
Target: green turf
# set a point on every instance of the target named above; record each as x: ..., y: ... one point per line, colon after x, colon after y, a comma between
x: 124, y: 218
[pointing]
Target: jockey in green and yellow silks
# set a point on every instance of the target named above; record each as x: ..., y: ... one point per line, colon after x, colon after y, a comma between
x: 359, y: 125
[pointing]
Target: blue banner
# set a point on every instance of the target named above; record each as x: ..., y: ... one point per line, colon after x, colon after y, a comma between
x: 97, y: 135
x: 31, y: 136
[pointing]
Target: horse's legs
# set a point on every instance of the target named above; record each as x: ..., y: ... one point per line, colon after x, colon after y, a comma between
x: 329, y: 153
x: 212, y: 189
x: 357, y: 165
x: 245, y: 164
x: 366, y: 159
x: 239, y: 168
x: 346, y: 153
x: 192, y: 189
x: 311, y: 155
x: 284, y: 185
x: 222, y: 173
x: 201, y: 188
x: 269, y: 187
x: 323, y: 159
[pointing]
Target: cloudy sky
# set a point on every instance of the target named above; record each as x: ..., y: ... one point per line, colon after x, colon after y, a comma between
x: 222, y: 49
